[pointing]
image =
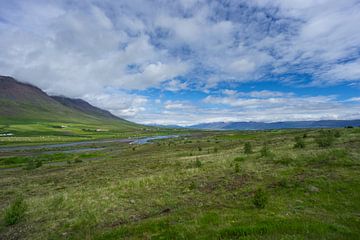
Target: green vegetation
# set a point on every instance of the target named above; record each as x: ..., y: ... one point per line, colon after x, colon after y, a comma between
x: 170, y: 190
x: 15, y: 212
x: 265, y: 151
x: 239, y: 159
x: 247, y: 148
x: 260, y: 198
x: 237, y: 167
x: 325, y: 138
x: 32, y: 164
x: 198, y: 163
x: 299, y: 142
x: 38, y: 132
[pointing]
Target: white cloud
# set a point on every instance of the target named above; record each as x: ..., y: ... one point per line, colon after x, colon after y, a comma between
x: 242, y: 66
x: 229, y: 92
x: 179, y: 105
x: 261, y: 103
x: 119, y: 103
x: 257, y: 94
x: 341, y: 72
x: 85, y: 48
x: 354, y: 99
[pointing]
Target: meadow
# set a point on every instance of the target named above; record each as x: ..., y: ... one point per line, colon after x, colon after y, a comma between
x: 279, y: 184
x: 30, y: 132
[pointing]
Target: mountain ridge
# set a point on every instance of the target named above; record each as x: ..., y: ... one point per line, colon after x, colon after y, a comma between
x: 275, y: 125
x: 83, y: 106
x: 25, y: 102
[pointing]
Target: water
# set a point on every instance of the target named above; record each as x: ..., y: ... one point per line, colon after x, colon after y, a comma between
x: 84, y: 143
x: 149, y: 139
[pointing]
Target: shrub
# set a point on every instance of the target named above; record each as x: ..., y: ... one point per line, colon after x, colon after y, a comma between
x: 265, y: 152
x: 200, y: 149
x: 239, y: 159
x: 237, y: 168
x: 305, y: 135
x: 283, y: 183
x: 260, y: 198
x: 325, y: 138
x: 337, y: 134
x: 198, y: 163
x: 215, y: 150
x: 299, y: 142
x: 33, y: 164
x: 247, y: 148
x: 38, y: 163
x: 15, y: 212
x: 192, y: 185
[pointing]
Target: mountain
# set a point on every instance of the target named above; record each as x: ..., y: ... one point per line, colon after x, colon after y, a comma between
x: 22, y: 102
x: 83, y: 106
x: 275, y: 125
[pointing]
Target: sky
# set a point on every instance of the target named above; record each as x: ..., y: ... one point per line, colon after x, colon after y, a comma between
x: 190, y: 61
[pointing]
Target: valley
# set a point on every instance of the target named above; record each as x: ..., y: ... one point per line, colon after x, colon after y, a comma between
x: 198, y: 186
x: 69, y: 170
x: 179, y: 120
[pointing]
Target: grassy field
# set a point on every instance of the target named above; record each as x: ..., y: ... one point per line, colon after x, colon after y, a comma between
x: 29, y: 132
x: 202, y: 186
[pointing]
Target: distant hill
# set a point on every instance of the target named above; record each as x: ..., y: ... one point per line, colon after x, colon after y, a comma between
x: 21, y: 102
x: 275, y: 125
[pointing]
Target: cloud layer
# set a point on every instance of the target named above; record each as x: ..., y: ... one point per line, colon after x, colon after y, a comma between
x: 126, y: 55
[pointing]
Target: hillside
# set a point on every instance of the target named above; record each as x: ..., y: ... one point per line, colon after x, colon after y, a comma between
x: 84, y: 107
x: 26, y: 110
x: 21, y: 101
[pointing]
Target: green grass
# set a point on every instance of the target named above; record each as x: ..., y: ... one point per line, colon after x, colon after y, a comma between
x: 172, y: 190
x: 38, y: 132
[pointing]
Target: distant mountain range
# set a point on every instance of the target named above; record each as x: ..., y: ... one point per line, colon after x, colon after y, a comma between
x: 275, y: 125
x: 21, y: 102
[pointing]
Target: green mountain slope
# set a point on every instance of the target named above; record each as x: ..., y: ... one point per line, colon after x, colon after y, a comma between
x: 84, y: 107
x: 20, y: 101
x: 27, y: 110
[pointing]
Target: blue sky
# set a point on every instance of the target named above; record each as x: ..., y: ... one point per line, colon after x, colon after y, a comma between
x: 190, y: 61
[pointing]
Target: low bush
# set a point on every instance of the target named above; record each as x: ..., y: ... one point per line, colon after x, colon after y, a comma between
x: 299, y: 142
x: 325, y: 138
x: 33, y: 164
x: 239, y: 159
x: 192, y: 185
x: 15, y: 212
x: 237, y: 168
x: 265, y: 151
x: 247, y: 148
x: 260, y: 198
x: 337, y: 133
x: 198, y: 163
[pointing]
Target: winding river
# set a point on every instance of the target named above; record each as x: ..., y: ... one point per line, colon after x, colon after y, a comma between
x: 84, y: 143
